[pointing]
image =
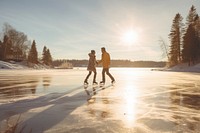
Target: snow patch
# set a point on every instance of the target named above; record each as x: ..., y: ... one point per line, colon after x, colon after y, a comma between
x: 11, y: 65
x: 183, y: 67
x: 21, y: 65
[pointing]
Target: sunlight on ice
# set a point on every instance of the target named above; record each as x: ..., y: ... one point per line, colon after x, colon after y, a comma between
x: 130, y: 110
x: 141, y: 100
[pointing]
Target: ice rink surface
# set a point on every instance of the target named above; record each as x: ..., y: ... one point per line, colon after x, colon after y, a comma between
x: 141, y: 101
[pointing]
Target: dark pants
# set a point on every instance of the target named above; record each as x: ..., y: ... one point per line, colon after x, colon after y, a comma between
x: 106, y: 70
x: 94, y: 78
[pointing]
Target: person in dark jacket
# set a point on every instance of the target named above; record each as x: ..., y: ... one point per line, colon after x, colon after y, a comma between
x: 91, y: 67
x: 105, y: 60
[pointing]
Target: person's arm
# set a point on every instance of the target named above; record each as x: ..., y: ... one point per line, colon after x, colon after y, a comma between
x: 99, y: 62
x: 95, y: 61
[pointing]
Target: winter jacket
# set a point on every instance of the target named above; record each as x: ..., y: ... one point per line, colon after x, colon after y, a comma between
x: 105, y: 60
x: 92, y: 62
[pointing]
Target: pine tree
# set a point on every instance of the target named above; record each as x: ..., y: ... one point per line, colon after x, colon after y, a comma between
x: 175, y: 38
x: 33, y: 54
x: 191, y: 16
x: 44, y: 57
x: 191, y: 40
x: 190, y: 46
x: 197, y: 33
x: 49, y: 58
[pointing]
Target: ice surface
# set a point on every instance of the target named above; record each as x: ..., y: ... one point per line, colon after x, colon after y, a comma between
x: 141, y: 101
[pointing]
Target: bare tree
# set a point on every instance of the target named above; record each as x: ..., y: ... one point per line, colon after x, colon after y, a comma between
x: 164, y: 48
x: 18, y: 41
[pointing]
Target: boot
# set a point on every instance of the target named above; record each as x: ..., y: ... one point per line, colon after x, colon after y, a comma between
x: 95, y: 83
x: 85, y: 82
x: 113, y: 81
x: 102, y: 82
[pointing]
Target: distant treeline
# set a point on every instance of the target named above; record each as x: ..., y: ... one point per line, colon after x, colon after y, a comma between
x: 128, y: 63
x: 114, y: 63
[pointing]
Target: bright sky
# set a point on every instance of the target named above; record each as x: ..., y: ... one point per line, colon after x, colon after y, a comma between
x: 129, y: 29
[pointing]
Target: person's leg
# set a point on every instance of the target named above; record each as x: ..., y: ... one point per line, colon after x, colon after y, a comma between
x: 103, y: 76
x: 94, y: 79
x: 87, y: 77
x: 108, y: 73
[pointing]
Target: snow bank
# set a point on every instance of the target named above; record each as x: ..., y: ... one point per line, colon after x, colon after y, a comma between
x: 21, y: 65
x: 182, y: 68
x: 11, y: 65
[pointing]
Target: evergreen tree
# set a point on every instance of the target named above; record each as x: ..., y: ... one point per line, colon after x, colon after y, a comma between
x: 49, y: 58
x: 44, y: 57
x: 190, y: 45
x: 175, y: 38
x: 33, y: 54
x: 191, y: 39
x: 197, y: 33
x: 191, y: 16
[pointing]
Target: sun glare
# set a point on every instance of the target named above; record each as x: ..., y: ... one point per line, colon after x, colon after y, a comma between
x: 129, y: 37
x: 130, y: 110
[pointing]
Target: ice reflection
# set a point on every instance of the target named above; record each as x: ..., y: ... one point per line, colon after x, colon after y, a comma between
x: 129, y: 99
x: 18, y: 85
x: 129, y: 109
x: 98, y: 107
x: 46, y: 81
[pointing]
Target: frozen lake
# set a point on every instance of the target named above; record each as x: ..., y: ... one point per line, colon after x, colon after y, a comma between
x: 141, y: 101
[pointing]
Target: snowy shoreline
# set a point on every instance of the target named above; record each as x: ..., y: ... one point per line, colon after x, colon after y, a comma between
x: 19, y: 66
x: 181, y: 68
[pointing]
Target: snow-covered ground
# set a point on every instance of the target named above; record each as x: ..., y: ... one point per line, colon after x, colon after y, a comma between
x: 141, y: 101
x: 181, y: 68
x: 185, y: 68
x: 13, y: 65
x: 19, y: 65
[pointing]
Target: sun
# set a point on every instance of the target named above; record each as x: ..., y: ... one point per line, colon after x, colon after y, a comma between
x: 129, y: 37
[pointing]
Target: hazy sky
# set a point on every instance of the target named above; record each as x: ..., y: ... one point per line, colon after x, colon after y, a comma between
x: 71, y: 28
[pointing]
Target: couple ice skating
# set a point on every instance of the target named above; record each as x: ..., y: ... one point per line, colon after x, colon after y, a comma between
x: 105, y: 60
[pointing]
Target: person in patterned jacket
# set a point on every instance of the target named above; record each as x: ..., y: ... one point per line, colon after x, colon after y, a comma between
x: 91, y: 67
